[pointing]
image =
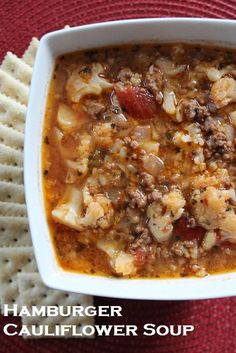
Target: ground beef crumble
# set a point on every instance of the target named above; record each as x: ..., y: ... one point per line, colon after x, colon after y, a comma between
x: 137, y: 198
x: 147, y: 181
x: 218, y: 145
x: 187, y: 248
x: 154, y: 82
x: 126, y: 75
x: 142, y: 238
x: 193, y: 111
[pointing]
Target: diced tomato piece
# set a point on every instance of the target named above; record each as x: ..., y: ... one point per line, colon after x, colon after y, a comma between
x: 218, y: 237
x: 184, y: 231
x: 137, y: 102
x: 226, y: 244
x: 140, y: 256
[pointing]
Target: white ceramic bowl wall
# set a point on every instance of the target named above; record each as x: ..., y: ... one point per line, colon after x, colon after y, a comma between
x: 216, y: 32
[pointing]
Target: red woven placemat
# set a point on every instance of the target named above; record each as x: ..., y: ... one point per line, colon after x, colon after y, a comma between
x: 214, y: 320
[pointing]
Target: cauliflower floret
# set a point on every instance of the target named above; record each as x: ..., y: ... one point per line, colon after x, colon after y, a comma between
x: 218, y: 179
x: 69, y: 119
x: 210, y: 207
x: 199, y: 159
x: 214, y: 74
x: 100, y: 206
x: 169, y: 104
x: 80, y: 165
x: 227, y: 226
x: 195, y: 133
x: 209, y: 240
x: 83, y: 150
x: 81, y: 84
x: 69, y: 208
x: 194, y: 136
x: 120, y: 261
x: 160, y: 223
x: 233, y: 118
x: 168, y: 67
x: 150, y: 147
x: 223, y: 91
x: 174, y: 202
x: 85, y: 145
x: 78, y: 209
x: 216, y: 199
x: 192, y: 141
x: 180, y: 139
x: 211, y: 203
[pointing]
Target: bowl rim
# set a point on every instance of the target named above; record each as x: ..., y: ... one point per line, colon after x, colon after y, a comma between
x: 144, y: 20
x: 52, y: 274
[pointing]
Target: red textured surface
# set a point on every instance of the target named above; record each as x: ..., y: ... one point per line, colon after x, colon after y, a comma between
x: 214, y: 320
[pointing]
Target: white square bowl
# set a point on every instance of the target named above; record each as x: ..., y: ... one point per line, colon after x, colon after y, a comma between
x: 216, y: 32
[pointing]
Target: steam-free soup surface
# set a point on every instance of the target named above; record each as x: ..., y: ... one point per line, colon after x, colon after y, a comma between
x: 139, y: 161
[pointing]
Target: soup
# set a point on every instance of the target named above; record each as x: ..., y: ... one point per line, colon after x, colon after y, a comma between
x: 138, y: 161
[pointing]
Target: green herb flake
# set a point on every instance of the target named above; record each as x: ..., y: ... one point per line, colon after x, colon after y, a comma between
x: 85, y: 70
x: 177, y: 149
x: 169, y: 135
x: 116, y: 110
x: 193, y: 201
